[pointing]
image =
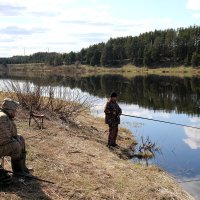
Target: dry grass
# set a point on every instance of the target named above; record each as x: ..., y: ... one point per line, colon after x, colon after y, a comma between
x: 76, y: 158
x: 59, y: 102
x: 181, y: 71
x: 128, y: 71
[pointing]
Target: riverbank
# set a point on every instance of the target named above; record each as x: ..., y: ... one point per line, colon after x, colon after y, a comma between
x: 179, y: 71
x: 128, y: 71
x: 76, y: 158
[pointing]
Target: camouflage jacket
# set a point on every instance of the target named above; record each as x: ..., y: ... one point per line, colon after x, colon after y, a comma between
x: 7, y: 128
x: 113, y: 112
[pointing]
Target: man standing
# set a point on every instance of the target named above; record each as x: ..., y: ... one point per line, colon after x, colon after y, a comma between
x: 12, y: 144
x: 113, y: 112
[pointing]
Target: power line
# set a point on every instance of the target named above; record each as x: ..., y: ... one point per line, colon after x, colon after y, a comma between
x: 166, y: 122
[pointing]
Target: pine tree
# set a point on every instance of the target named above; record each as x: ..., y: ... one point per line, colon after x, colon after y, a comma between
x: 195, y: 59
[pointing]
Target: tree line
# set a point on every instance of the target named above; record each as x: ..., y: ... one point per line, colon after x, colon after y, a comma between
x: 159, y: 48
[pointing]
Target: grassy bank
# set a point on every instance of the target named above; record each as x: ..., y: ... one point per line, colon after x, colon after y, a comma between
x: 132, y: 71
x: 75, y: 157
x: 182, y: 71
x: 84, y: 70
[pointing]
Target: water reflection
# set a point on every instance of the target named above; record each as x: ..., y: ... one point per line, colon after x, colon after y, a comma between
x: 193, y: 187
x: 170, y: 94
x: 193, y: 138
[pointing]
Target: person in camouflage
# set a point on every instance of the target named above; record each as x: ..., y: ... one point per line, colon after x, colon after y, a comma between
x: 112, y: 118
x: 12, y: 144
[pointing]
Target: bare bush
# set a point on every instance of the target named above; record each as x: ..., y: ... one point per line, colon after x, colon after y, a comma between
x: 68, y: 104
x: 147, y: 150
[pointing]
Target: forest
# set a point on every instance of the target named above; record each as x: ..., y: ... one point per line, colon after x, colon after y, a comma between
x: 159, y: 48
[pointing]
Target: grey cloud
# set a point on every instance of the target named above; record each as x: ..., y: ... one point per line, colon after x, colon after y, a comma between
x: 8, y: 47
x: 14, y: 30
x: 7, y: 40
x: 84, y: 22
x: 9, y: 10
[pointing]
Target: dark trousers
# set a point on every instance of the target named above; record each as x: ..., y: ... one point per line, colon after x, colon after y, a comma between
x: 113, y: 131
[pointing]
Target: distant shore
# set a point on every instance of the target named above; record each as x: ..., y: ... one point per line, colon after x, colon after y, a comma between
x: 85, y: 70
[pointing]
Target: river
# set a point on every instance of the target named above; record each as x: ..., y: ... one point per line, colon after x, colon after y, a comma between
x: 157, y: 97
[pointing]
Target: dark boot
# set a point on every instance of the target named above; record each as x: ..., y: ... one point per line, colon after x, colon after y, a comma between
x: 113, y: 144
x: 108, y: 142
x: 26, y: 169
x: 17, y: 166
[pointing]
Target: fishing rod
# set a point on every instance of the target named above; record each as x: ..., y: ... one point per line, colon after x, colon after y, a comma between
x: 156, y: 120
x: 28, y: 176
x: 188, y: 181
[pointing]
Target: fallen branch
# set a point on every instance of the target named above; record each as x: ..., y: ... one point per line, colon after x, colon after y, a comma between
x: 28, y: 176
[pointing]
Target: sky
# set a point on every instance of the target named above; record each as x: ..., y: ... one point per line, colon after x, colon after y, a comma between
x: 29, y: 26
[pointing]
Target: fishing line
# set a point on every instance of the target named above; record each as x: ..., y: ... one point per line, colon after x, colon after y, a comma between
x: 188, y: 181
x: 156, y: 120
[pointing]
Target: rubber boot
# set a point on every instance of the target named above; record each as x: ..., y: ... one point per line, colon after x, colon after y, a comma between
x: 26, y: 169
x: 18, y: 167
x: 109, y: 142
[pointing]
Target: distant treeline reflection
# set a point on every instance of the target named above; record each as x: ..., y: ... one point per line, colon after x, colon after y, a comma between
x: 181, y: 95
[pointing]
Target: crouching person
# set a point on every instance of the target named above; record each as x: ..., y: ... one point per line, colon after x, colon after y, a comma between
x: 12, y: 144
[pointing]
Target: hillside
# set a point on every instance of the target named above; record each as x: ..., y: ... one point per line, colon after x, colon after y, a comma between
x: 76, y: 158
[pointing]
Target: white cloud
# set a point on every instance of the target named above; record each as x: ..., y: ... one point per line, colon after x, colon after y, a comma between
x: 193, y: 138
x: 196, y: 15
x: 63, y: 25
x: 193, y: 4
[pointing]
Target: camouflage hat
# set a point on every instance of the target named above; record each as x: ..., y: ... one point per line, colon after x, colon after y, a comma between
x: 10, y: 104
